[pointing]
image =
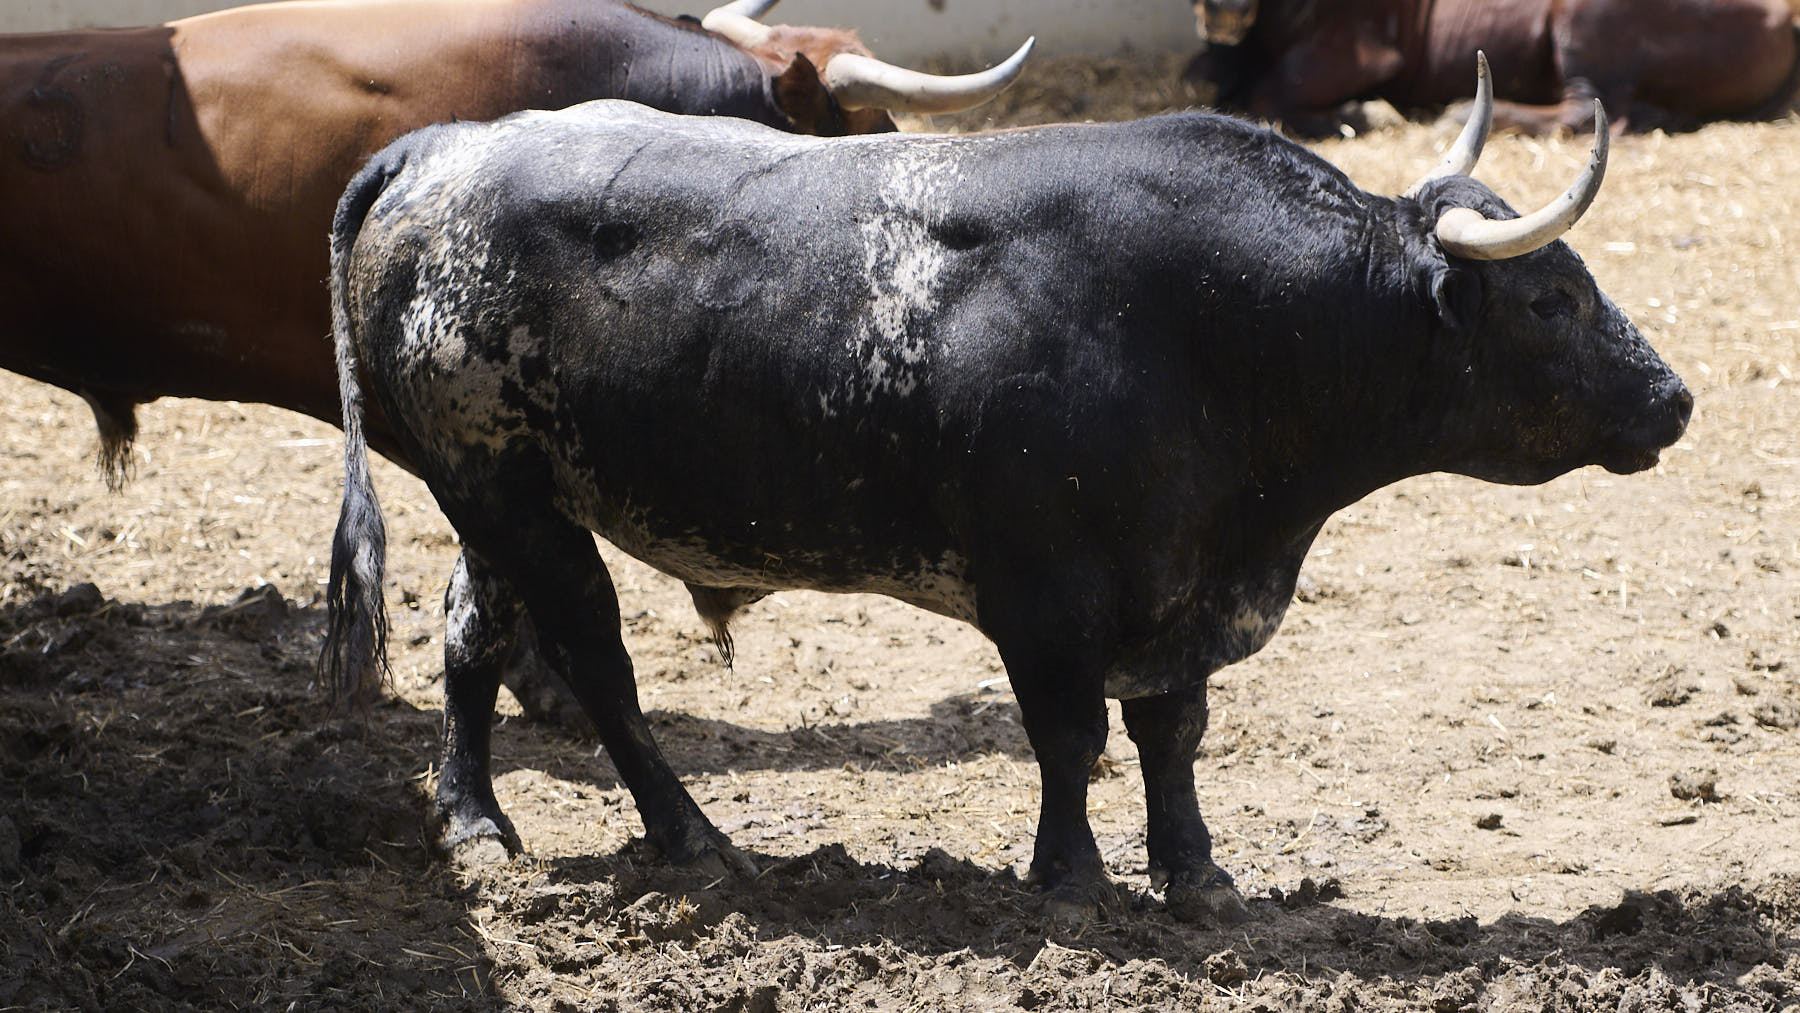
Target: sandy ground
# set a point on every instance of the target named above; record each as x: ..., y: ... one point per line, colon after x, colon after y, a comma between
x: 1515, y: 748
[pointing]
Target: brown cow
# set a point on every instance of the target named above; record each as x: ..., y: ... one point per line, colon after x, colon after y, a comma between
x: 169, y: 190
x: 1297, y: 60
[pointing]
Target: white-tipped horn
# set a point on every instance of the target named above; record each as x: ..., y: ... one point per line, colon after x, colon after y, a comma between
x: 862, y: 82
x: 1461, y: 158
x: 737, y: 21
x: 1473, y: 236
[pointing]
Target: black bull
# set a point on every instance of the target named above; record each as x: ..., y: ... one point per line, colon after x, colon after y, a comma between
x: 1091, y: 388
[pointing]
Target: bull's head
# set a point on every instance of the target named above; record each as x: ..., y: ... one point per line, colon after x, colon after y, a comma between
x: 1224, y: 22
x: 828, y: 83
x: 1577, y: 383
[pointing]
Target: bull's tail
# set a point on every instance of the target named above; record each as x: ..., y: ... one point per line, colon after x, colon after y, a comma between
x: 353, y: 661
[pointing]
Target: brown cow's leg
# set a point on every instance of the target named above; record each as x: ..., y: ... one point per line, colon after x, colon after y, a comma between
x: 481, y: 614
x: 1574, y: 114
x: 1167, y: 730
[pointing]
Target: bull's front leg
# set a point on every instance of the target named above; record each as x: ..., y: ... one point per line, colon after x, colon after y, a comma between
x: 1064, y: 713
x: 1167, y: 729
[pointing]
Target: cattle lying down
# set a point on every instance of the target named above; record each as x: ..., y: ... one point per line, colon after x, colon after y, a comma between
x: 1298, y: 60
x: 1092, y: 388
x: 167, y: 188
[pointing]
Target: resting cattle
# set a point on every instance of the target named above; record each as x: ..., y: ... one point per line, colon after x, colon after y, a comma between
x: 1091, y: 388
x: 1298, y: 60
x: 168, y: 189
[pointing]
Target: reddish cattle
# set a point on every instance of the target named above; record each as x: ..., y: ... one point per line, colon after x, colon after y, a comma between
x: 1297, y: 60
x: 169, y: 189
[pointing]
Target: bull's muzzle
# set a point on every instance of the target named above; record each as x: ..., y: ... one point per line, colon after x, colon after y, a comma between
x: 1639, y: 445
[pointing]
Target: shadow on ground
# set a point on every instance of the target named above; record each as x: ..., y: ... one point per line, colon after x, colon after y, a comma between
x: 1736, y: 948
x: 181, y: 829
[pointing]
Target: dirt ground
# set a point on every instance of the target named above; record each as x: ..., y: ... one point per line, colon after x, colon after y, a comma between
x: 1514, y: 748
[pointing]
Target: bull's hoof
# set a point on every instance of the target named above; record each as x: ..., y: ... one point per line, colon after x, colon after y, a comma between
x: 478, y: 853
x: 709, y: 852
x: 478, y: 842
x: 458, y: 827
x: 1072, y: 903
x: 1208, y: 898
x: 1076, y: 898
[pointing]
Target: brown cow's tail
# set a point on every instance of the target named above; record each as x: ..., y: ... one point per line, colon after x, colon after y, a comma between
x: 353, y: 661
x: 116, y: 417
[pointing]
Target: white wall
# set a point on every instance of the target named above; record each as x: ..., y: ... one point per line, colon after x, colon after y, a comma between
x: 900, y: 30
x: 50, y: 15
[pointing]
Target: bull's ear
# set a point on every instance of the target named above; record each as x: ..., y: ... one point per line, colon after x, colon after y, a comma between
x: 1456, y: 292
x: 803, y: 97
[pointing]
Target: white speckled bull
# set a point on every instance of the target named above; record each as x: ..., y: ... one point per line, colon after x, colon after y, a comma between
x: 1091, y: 388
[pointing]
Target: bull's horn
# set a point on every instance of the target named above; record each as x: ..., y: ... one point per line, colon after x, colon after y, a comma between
x: 752, y: 9
x: 862, y: 82
x: 1460, y: 159
x: 737, y: 21
x: 1473, y: 236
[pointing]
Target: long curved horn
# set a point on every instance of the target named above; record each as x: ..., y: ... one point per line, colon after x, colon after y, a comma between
x: 1469, y: 234
x: 863, y: 82
x: 737, y: 21
x: 1460, y: 159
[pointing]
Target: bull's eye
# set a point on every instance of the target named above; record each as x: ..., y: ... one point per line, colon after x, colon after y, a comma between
x: 614, y: 239
x: 1552, y: 305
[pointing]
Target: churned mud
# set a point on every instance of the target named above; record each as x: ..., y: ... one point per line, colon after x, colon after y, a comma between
x: 1514, y: 749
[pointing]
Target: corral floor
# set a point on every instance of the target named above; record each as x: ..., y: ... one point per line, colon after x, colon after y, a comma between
x: 1448, y: 784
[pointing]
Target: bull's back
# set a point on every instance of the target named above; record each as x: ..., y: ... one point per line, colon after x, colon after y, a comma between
x: 791, y: 348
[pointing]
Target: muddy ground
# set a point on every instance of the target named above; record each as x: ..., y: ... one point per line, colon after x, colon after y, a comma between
x: 1514, y: 749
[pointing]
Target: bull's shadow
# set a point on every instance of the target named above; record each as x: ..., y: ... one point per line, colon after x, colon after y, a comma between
x: 1735, y: 946
x: 959, y: 728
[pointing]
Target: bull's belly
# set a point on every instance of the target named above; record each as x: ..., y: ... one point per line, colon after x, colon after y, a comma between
x: 933, y: 579
x: 1222, y: 625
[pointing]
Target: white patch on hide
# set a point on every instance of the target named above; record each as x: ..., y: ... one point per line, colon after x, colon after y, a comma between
x: 901, y: 264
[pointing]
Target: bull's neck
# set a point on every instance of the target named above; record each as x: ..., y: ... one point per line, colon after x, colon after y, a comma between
x: 1338, y: 399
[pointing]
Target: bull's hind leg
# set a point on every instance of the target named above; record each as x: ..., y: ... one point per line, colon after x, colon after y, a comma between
x: 1167, y: 730
x: 557, y: 570
x: 481, y: 614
